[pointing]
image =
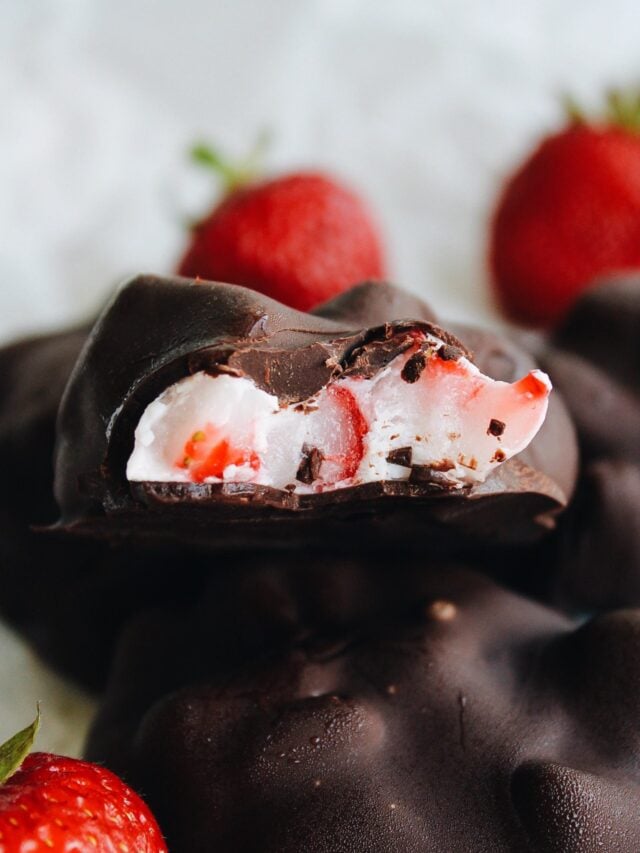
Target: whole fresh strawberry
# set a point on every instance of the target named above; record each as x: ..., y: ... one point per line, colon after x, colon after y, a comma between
x: 52, y: 803
x: 569, y: 214
x: 300, y: 238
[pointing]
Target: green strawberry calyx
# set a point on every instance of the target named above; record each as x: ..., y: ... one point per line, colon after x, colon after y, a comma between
x: 233, y: 175
x: 14, y: 751
x: 622, y: 110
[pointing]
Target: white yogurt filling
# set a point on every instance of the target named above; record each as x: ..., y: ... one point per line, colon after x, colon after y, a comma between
x: 452, y: 419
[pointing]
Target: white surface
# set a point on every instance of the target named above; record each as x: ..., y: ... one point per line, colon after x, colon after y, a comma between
x: 422, y: 106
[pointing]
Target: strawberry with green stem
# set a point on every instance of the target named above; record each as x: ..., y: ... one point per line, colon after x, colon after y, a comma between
x: 571, y: 213
x: 300, y: 238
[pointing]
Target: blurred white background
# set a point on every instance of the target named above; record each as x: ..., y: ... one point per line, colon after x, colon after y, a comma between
x: 421, y: 106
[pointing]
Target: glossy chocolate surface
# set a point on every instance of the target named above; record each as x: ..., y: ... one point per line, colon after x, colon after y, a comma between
x: 33, y: 375
x: 460, y: 717
x: 68, y: 598
x: 594, y: 359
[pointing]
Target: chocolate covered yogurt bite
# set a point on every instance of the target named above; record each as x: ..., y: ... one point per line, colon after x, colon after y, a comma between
x: 472, y: 719
x: 200, y: 409
x: 70, y: 597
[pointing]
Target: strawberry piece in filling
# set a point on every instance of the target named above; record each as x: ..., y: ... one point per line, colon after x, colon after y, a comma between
x: 427, y: 408
x: 206, y: 455
x: 345, y: 428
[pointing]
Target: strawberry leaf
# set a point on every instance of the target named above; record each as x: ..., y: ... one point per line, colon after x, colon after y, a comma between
x: 206, y: 155
x: 622, y: 110
x: 14, y: 751
x: 232, y: 174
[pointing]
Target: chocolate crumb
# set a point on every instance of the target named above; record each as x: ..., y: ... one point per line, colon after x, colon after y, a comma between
x: 499, y: 456
x: 413, y: 368
x: 496, y: 427
x: 373, y: 356
x: 309, y: 467
x: 448, y: 352
x: 400, y: 456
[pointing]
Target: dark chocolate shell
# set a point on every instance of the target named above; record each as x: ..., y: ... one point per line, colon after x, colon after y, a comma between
x: 157, y: 331
x: 456, y: 717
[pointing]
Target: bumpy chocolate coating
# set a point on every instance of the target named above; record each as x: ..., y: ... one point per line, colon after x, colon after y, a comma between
x: 594, y: 358
x: 598, y: 559
x: 250, y: 610
x: 69, y: 599
x: 33, y: 375
x: 130, y: 359
x: 471, y: 720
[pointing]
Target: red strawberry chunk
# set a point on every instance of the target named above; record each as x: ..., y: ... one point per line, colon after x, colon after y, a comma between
x: 346, y: 445
x: 206, y: 454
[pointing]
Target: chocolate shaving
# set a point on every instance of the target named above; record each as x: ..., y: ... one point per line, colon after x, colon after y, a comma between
x: 413, y: 368
x: 496, y: 427
x: 309, y: 468
x: 428, y: 475
x: 448, y: 352
x: 400, y: 456
x: 368, y: 360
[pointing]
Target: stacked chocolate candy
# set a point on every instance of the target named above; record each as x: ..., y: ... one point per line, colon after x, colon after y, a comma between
x: 594, y: 359
x: 286, y: 524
